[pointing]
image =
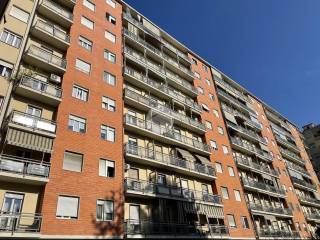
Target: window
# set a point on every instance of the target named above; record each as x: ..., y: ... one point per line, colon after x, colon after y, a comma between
x: 83, y: 66
x: 219, y: 168
x: 237, y: 195
x: 87, y: 22
x: 194, y: 61
x: 232, y: 222
x: 231, y: 171
x: 111, y: 3
x: 208, y: 82
x: 77, y: 124
x: 111, y: 19
x: 211, y: 96
x: 298, y: 226
x: 1, y: 101
x: 72, y: 161
x: 110, y: 36
x: 197, y: 75
x: 105, y: 210
x: 111, y: 57
x: 208, y: 125
x: 109, y: 104
x: 67, y: 207
x: 34, y: 111
x: 19, y: 14
x: 85, y: 43
x: 205, y: 68
x: 245, y: 222
x: 225, y: 149
x: 216, y: 113
x: 205, y: 107
x: 224, y: 192
x: 161, y: 179
x: 80, y: 93
x: 107, y: 133
x: 5, y: 69
x: 109, y: 78
x: 106, y: 168
x: 220, y: 130
x: 200, y: 90
x: 213, y: 145
x: 11, y: 39
x: 89, y: 5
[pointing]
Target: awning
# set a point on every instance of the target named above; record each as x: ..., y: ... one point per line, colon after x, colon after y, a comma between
x: 186, y: 155
x: 203, y: 160
x: 230, y: 117
x: 29, y: 140
x: 264, y: 147
x: 295, y: 174
x: 199, y: 208
x: 268, y: 177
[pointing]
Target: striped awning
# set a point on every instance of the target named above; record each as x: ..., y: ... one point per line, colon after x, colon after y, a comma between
x: 29, y: 140
x: 199, y: 208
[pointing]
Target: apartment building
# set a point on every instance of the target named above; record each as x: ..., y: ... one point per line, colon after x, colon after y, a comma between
x: 111, y: 128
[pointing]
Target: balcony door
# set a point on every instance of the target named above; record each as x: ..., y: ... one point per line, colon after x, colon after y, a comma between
x: 34, y: 111
x: 12, y: 205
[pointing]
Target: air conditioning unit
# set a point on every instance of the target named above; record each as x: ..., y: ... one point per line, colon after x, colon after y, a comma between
x: 127, y: 167
x: 55, y: 78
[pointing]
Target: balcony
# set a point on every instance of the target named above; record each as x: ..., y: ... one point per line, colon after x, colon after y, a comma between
x: 176, y: 51
x: 148, y: 84
x: 312, y: 217
x: 306, y: 200
x: 56, y: 13
x: 22, y: 170
x: 178, y: 82
x: 277, y: 120
x: 165, y: 161
x: 164, y: 134
x: 270, y: 210
x: 20, y: 225
x: 299, y: 169
x: 292, y: 156
x: 173, y: 65
x: 303, y: 184
x: 39, y: 90
x: 151, y: 229
x: 150, y: 189
x: 287, y: 144
x: 277, y: 234
x: 32, y: 123
x: 249, y: 165
x: 263, y: 187
x: 240, y: 145
x: 146, y: 103
x: 249, y: 134
x: 234, y: 101
x: 44, y: 59
x: 51, y: 34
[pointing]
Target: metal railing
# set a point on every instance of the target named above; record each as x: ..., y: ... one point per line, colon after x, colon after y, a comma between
x: 270, y: 209
x: 169, y: 160
x: 53, y: 30
x: 164, y: 88
x: 20, y: 222
x: 287, y: 143
x: 145, y: 227
x: 278, y: 233
x: 181, y: 81
x: 57, y: 9
x: 297, y: 168
x: 165, y: 132
x: 287, y: 153
x: 312, y: 215
x: 262, y: 186
x: 24, y: 166
x: 258, y: 152
x: 178, y: 52
x: 253, y: 165
x: 303, y: 183
x: 41, y: 86
x: 161, y: 190
x: 246, y: 131
x: 47, y: 56
x: 153, y: 104
x: 309, y: 199
x: 32, y: 122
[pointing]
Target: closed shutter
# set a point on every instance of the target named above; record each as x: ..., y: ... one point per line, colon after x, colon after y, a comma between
x: 72, y: 161
x: 67, y: 207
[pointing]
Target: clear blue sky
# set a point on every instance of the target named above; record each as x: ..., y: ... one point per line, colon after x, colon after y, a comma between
x: 270, y: 47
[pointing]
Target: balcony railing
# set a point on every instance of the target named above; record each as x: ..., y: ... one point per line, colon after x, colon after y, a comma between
x: 165, y: 132
x: 291, y: 155
x: 181, y: 81
x: 277, y: 119
x: 134, y: 227
x: 249, y: 147
x: 312, y: 215
x: 24, y: 166
x: 163, y: 88
x: 177, y: 65
x: 170, y: 160
x: 164, y: 191
x: 276, y: 234
x: 20, y: 222
x: 263, y: 186
x: 53, y: 30
x: 41, y: 86
x: 246, y: 131
x: 32, y: 122
x: 255, y: 166
x: 153, y: 104
x: 173, y: 49
x: 286, y: 143
x: 270, y: 209
x: 311, y: 200
x: 298, y: 168
x: 57, y: 9
x: 303, y: 183
x: 46, y: 56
